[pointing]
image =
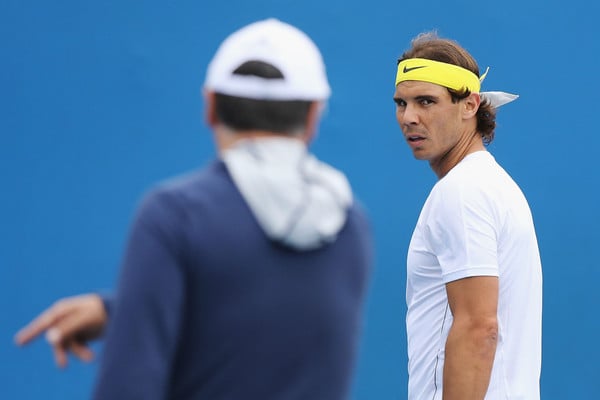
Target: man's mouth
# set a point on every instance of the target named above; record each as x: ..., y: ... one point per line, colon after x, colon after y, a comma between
x: 414, y: 138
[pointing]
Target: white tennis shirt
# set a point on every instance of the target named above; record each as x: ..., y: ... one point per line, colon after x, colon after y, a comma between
x: 475, y: 222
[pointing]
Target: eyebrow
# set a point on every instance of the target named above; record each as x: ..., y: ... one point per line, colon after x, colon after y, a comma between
x: 418, y: 98
x: 427, y: 97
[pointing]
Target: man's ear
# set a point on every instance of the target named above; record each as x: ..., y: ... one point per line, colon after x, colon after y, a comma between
x: 471, y: 105
x: 210, y: 112
x: 312, y: 120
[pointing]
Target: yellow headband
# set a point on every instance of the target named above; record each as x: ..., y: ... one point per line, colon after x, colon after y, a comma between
x: 443, y: 74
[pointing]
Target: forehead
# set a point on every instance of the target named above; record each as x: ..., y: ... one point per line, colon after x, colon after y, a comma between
x: 409, y: 89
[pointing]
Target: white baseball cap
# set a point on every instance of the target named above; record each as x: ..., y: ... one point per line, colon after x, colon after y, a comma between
x: 274, y: 42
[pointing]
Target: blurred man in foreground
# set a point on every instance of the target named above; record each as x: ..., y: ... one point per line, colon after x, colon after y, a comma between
x: 246, y: 279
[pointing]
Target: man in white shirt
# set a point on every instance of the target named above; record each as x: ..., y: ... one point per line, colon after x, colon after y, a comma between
x: 474, y: 280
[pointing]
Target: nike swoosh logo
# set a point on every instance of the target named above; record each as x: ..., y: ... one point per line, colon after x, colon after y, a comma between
x: 406, y: 69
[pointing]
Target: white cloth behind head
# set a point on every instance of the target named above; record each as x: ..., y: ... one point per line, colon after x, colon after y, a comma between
x: 296, y: 199
x: 498, y: 99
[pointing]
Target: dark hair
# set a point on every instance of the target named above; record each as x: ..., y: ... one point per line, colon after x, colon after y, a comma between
x: 430, y: 46
x: 243, y: 114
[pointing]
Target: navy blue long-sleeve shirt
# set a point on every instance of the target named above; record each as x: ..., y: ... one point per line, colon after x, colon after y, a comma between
x: 208, y: 307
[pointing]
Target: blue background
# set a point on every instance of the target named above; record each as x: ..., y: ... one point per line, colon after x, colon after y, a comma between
x: 100, y: 99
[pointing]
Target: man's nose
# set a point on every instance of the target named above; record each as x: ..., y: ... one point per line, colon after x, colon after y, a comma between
x: 409, y: 116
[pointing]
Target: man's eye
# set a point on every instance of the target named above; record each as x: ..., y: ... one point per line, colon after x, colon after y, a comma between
x: 400, y: 102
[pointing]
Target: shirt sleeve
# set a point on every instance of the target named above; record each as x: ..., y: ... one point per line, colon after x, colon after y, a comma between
x: 107, y: 301
x: 463, y: 233
x: 146, y: 313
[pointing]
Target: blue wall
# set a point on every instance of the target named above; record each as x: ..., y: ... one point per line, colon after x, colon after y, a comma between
x: 99, y: 99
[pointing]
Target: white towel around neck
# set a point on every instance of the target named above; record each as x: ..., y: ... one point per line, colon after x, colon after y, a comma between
x: 297, y: 200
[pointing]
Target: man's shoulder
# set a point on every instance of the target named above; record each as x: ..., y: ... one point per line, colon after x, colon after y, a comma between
x: 187, y: 189
x: 358, y: 211
x: 211, y: 174
x: 358, y: 223
x: 478, y: 171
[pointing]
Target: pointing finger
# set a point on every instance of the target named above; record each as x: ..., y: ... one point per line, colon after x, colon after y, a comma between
x: 42, y: 322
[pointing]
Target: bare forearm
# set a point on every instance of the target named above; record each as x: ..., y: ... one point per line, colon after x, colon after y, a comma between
x: 468, y: 362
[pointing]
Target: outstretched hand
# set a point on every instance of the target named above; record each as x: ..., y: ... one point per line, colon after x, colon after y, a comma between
x: 69, y: 324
